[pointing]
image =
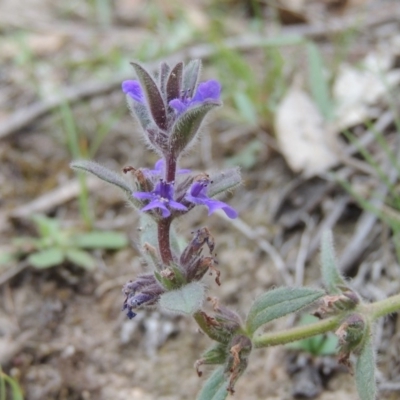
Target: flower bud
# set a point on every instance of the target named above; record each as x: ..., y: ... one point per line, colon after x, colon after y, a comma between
x: 222, y: 325
x: 240, y: 348
x: 350, y: 333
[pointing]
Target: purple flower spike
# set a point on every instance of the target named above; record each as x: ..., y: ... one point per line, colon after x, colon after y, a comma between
x: 197, y: 194
x: 206, y: 91
x: 161, y: 197
x: 134, y: 90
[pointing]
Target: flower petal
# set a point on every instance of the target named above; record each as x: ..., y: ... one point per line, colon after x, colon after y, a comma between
x: 177, y: 206
x: 134, y: 90
x: 178, y: 105
x: 157, y: 204
x: 209, y: 90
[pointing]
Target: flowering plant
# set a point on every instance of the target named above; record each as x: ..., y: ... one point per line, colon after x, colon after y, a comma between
x: 170, y: 109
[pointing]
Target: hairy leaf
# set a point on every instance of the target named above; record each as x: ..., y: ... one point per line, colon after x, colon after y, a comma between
x: 191, y: 75
x: 365, y: 371
x: 153, y: 96
x: 224, y: 181
x: 188, y: 124
x: 278, y: 303
x: 331, y: 277
x: 186, y: 300
x: 215, y: 387
x: 163, y: 76
x: 103, y: 173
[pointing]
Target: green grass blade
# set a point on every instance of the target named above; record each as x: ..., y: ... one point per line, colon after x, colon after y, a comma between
x: 318, y: 82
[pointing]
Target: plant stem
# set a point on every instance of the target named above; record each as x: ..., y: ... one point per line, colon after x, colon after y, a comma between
x: 372, y: 311
x: 170, y: 168
x: 298, y: 333
x: 384, y: 307
x: 163, y: 240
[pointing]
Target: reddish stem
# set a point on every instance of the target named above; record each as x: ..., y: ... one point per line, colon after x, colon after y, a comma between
x: 170, y: 169
x: 163, y: 240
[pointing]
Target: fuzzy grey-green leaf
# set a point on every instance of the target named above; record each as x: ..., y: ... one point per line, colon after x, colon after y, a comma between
x: 174, y: 84
x: 365, y: 371
x: 224, y: 181
x: 215, y: 388
x: 279, y: 302
x: 185, y: 300
x: 103, y: 173
x: 188, y: 124
x: 153, y: 96
x: 331, y: 277
x: 191, y: 74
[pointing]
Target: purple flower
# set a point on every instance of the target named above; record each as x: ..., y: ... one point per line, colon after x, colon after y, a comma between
x: 144, y: 291
x: 197, y: 194
x: 209, y: 90
x: 161, y: 197
x: 159, y: 168
x: 134, y: 90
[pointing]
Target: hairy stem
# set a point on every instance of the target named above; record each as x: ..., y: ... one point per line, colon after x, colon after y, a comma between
x: 298, y: 333
x: 170, y: 168
x: 163, y: 240
x: 384, y: 307
x: 372, y: 311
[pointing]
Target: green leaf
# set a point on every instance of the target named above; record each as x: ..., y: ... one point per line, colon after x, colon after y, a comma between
x: 318, y: 82
x: 186, y: 300
x: 102, y: 173
x: 174, y: 83
x: 81, y: 259
x: 215, y: 387
x: 278, y: 303
x: 331, y: 277
x: 46, y: 258
x: 224, y: 181
x: 365, y: 371
x: 101, y: 240
x: 188, y: 124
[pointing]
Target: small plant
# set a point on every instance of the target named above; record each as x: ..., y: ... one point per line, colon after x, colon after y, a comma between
x: 56, y: 245
x: 169, y: 110
x: 9, y: 386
